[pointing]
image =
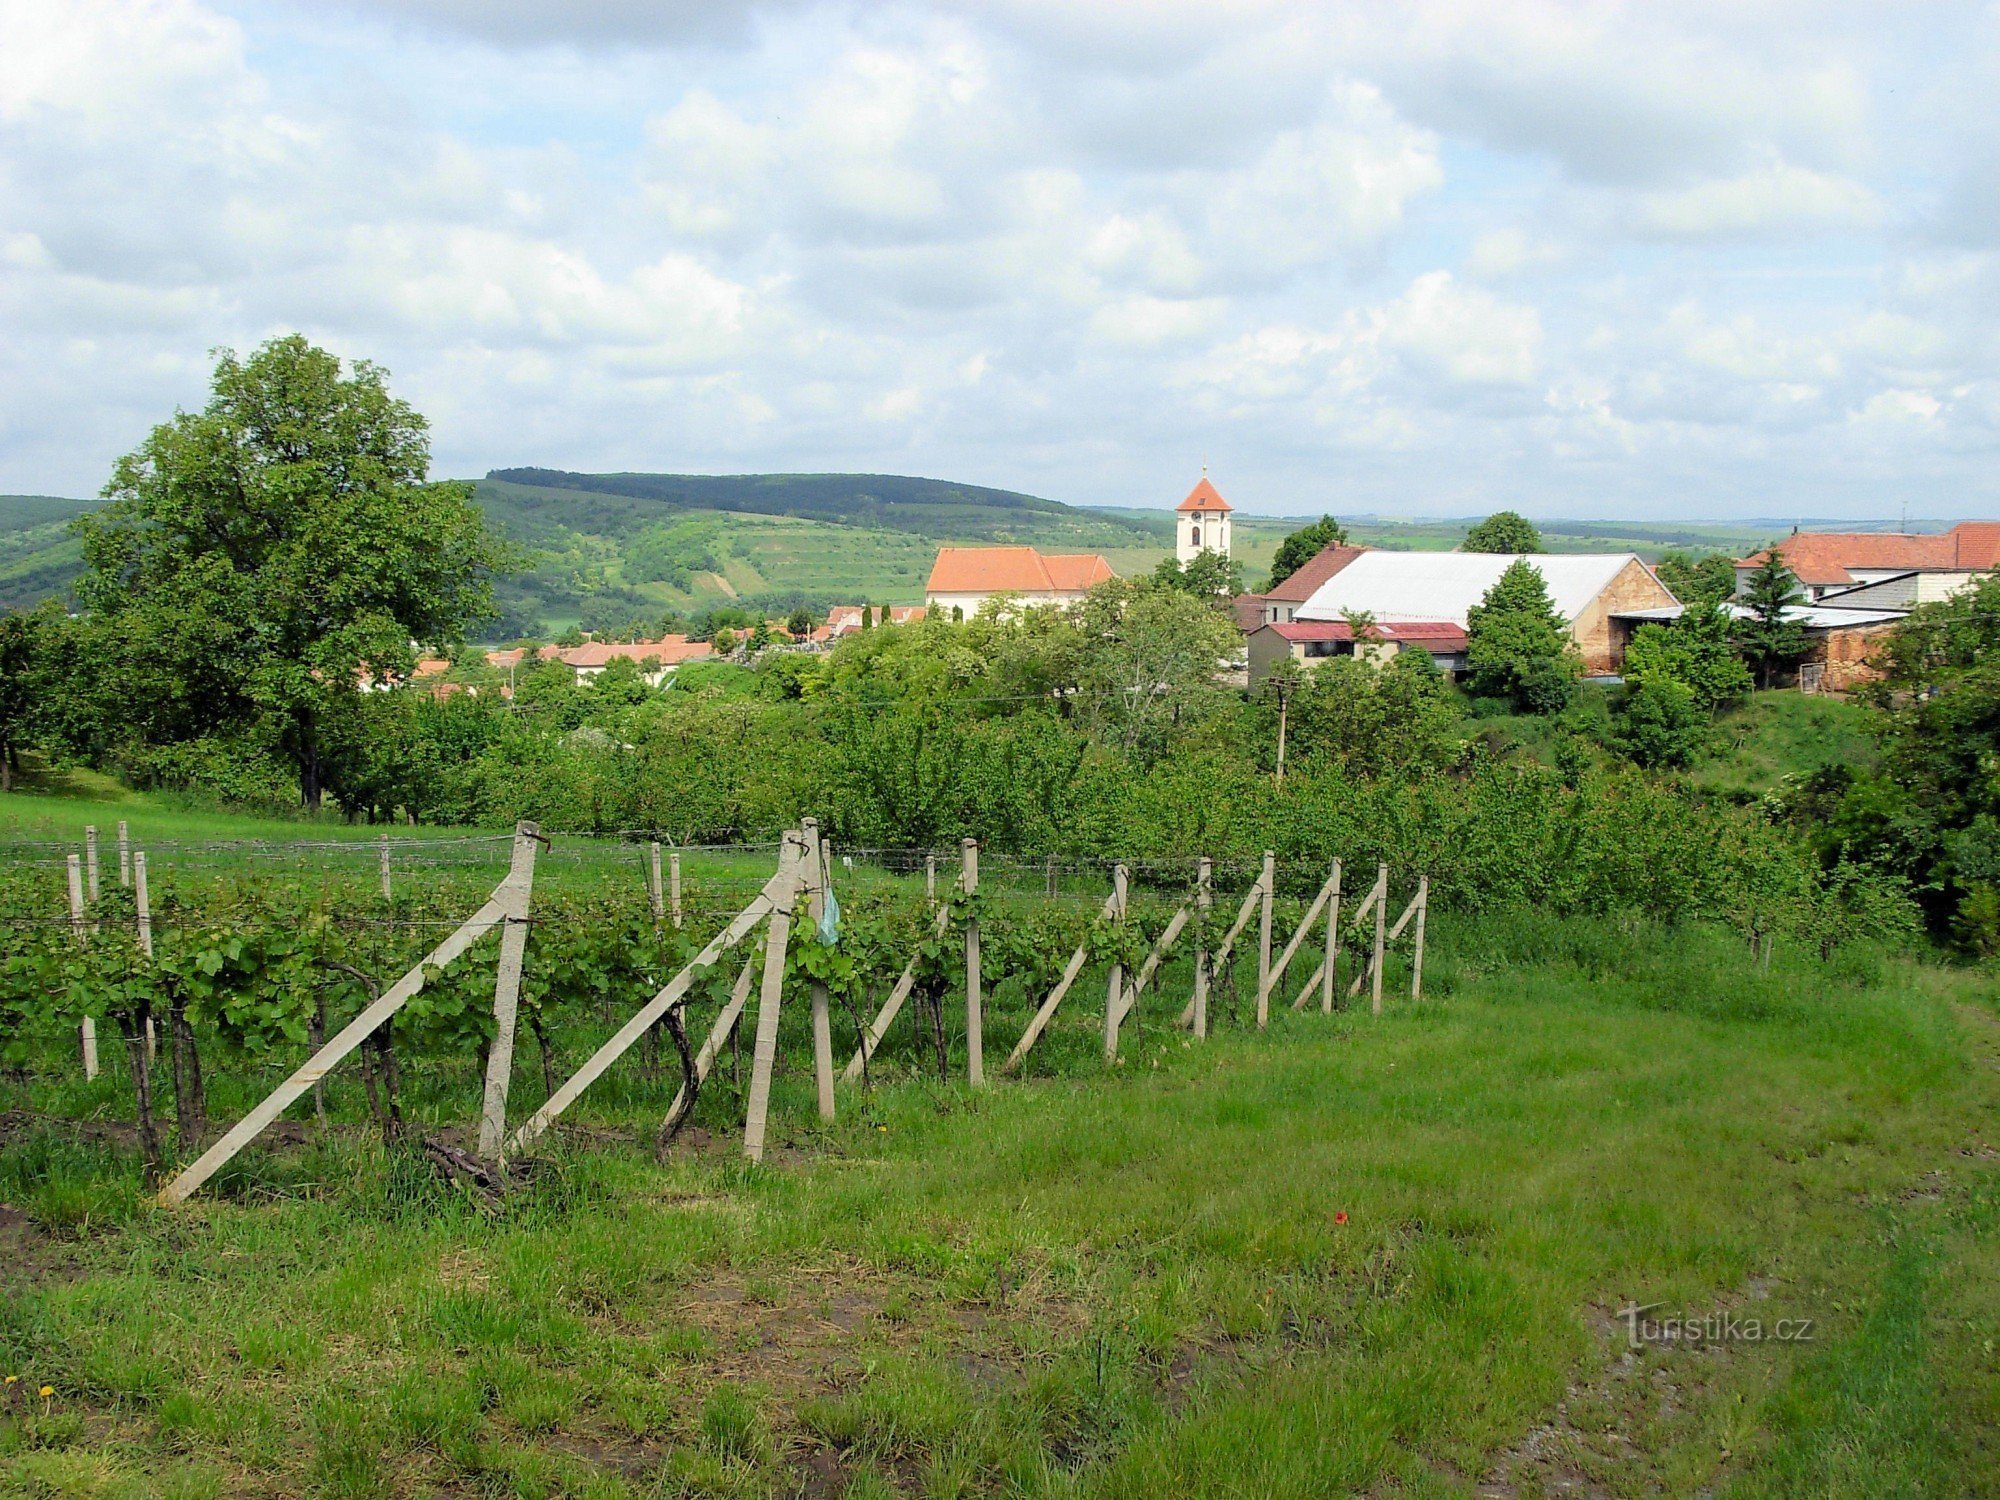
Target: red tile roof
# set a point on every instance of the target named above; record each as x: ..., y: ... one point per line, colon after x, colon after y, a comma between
x: 1433, y: 635
x: 670, y: 651
x: 1820, y: 558
x: 1204, y: 496
x: 1313, y: 572
x: 1015, y: 570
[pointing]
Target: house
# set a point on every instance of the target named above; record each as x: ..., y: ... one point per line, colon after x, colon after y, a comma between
x: 665, y: 654
x: 1201, y: 522
x: 1603, y: 597
x: 1282, y: 600
x: 963, y: 578
x: 1883, y: 569
x: 1309, y: 642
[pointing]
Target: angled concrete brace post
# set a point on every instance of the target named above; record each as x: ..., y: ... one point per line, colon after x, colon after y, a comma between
x: 1155, y: 956
x: 670, y: 995
x: 725, y: 1023
x: 1277, y: 975
x: 1048, y: 1008
x: 519, y: 888
x: 1222, y: 952
x: 777, y: 934
x: 323, y: 1061
x: 891, y: 1007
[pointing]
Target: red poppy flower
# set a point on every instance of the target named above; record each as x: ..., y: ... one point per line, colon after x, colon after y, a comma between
x: 1340, y: 1217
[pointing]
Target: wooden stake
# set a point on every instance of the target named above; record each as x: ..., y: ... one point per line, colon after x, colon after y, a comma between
x: 87, y: 1031
x: 1204, y: 901
x: 822, y: 1020
x: 124, y: 853
x: 1114, y: 1000
x: 388, y: 889
x: 1381, y: 923
x: 1417, y: 956
x: 519, y: 887
x: 1331, y: 965
x: 90, y: 860
x: 674, y: 888
x: 1269, y: 881
x: 975, y: 1030
x: 656, y: 898
x: 776, y: 935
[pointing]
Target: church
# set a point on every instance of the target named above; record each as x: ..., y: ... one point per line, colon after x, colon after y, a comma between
x: 1201, y: 522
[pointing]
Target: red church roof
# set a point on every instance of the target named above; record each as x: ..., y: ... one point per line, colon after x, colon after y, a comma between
x: 1203, y: 496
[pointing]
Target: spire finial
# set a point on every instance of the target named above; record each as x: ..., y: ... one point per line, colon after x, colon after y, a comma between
x: 1204, y: 468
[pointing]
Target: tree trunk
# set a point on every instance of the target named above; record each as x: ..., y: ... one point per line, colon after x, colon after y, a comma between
x: 132, y: 1026
x: 190, y: 1098
x: 310, y: 790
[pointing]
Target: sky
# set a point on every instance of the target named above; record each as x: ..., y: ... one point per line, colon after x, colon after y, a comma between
x: 1651, y: 260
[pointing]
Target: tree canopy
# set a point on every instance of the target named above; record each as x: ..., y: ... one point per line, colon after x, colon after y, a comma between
x: 1518, y: 647
x: 1768, y: 637
x: 263, y: 555
x: 1303, y: 545
x: 1504, y: 531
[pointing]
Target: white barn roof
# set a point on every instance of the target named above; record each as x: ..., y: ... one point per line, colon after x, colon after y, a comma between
x: 1445, y: 585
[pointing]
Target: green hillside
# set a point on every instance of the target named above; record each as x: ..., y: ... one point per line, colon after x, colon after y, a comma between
x: 38, y: 556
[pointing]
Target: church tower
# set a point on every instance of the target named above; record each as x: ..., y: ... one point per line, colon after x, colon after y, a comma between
x: 1201, y: 522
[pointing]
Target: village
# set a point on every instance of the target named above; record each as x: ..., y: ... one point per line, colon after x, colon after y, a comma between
x: 1850, y: 590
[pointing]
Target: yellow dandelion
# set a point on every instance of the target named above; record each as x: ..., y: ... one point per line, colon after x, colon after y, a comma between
x: 46, y: 1391
x: 13, y: 1380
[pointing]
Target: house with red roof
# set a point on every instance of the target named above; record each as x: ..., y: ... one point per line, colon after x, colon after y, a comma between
x: 1309, y: 642
x: 964, y: 578
x: 1883, y: 569
x: 1282, y: 600
x: 655, y: 658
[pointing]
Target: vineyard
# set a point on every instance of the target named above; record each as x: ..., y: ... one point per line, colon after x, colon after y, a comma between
x: 199, y: 984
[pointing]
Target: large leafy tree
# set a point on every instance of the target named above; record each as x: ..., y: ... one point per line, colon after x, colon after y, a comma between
x: 263, y: 555
x: 1303, y: 545
x: 1208, y: 575
x: 1697, y: 651
x: 1518, y: 647
x: 1707, y: 578
x: 1768, y: 636
x: 1504, y: 531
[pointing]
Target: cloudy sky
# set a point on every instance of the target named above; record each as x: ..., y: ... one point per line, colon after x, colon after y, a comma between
x: 1657, y: 259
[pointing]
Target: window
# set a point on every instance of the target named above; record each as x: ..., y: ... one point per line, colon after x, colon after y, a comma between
x: 1194, y: 535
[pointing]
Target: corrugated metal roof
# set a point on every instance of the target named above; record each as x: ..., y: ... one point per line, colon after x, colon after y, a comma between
x: 1446, y: 585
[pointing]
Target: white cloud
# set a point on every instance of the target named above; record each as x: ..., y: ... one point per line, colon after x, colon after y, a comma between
x: 1772, y: 198
x: 1464, y: 332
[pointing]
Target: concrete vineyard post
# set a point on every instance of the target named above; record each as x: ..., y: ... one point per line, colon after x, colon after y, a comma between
x: 777, y: 934
x: 822, y: 1020
x: 1114, y: 1003
x: 930, y: 881
x: 1268, y: 882
x: 1381, y: 928
x: 90, y: 861
x: 1047, y: 1011
x: 656, y: 896
x: 124, y: 853
x: 674, y: 888
x: 517, y: 903
x: 1326, y: 978
x: 87, y: 1031
x: 1417, y: 952
x: 388, y: 887
x: 1204, y: 899
x: 143, y: 899
x: 975, y: 1029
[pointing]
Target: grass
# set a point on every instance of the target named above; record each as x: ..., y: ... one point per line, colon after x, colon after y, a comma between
x: 1784, y: 733
x: 1352, y: 1255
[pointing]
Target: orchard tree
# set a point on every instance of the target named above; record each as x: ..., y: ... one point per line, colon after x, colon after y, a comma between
x: 1504, y: 531
x: 1706, y: 579
x: 1518, y: 647
x: 1303, y: 545
x: 1767, y: 637
x: 1698, y: 651
x: 259, y: 557
x: 1207, y: 575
